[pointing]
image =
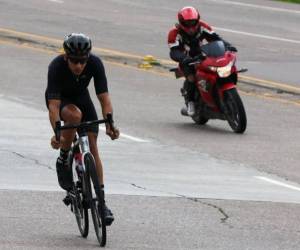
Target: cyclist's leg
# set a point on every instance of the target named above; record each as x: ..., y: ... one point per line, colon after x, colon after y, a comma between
x: 89, y: 114
x: 70, y: 114
x: 109, y: 218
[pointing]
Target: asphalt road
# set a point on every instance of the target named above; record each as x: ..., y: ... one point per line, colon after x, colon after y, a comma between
x: 265, y: 32
x: 171, y: 184
x: 150, y: 223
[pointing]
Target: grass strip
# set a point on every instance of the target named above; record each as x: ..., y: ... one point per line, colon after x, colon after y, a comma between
x: 290, y: 1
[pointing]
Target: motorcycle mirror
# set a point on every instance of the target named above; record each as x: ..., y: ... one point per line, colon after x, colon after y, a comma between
x: 242, y: 70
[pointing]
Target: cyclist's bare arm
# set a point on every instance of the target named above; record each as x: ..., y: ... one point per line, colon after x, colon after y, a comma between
x: 106, y: 106
x: 54, y: 106
x: 105, y: 103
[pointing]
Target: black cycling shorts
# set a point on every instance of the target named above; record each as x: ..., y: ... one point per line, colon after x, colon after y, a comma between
x: 86, y: 106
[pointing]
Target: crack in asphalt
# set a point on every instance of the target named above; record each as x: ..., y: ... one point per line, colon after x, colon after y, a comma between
x: 136, y: 186
x: 220, y: 210
x: 37, y: 162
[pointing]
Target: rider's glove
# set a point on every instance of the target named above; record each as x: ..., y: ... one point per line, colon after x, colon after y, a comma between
x: 232, y: 48
x: 187, y: 60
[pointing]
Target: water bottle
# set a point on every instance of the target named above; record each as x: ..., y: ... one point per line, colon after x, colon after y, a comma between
x: 78, y: 163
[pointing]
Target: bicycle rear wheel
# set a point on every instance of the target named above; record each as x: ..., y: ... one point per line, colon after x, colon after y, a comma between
x: 97, y: 203
x: 81, y: 211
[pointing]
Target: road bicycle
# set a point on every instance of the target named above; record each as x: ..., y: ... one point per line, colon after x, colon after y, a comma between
x: 83, y: 195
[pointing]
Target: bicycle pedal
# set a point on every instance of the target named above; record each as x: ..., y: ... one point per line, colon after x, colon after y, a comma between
x: 67, y: 200
x: 108, y: 221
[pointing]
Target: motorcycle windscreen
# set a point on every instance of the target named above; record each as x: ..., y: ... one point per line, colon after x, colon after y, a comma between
x: 214, y: 49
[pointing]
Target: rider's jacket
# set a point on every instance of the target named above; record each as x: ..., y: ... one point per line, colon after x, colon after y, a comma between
x: 182, y: 44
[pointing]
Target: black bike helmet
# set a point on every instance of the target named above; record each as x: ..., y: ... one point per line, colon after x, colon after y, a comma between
x: 77, y: 45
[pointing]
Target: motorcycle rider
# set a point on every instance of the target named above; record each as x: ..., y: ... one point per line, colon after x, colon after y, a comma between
x: 68, y: 99
x: 184, y: 41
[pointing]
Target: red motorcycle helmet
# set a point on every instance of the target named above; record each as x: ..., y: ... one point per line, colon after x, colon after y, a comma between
x: 188, y: 18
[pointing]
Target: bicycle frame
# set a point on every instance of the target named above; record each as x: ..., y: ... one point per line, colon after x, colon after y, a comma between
x: 84, y: 148
x: 83, y: 143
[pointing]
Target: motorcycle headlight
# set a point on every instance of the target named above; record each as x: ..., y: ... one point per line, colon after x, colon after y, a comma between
x: 212, y: 68
x: 226, y: 70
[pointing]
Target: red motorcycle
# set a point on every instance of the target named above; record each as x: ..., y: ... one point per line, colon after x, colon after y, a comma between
x: 217, y: 96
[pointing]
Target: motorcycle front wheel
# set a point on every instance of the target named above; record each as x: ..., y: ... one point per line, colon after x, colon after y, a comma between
x: 235, y: 111
x: 198, y: 119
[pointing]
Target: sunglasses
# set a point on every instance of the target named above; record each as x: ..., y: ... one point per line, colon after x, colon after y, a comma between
x: 78, y: 60
x: 190, y: 23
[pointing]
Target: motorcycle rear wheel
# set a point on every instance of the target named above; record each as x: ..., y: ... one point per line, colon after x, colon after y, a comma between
x: 236, y: 115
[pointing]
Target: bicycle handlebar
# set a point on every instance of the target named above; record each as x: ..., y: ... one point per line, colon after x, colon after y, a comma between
x: 59, y: 127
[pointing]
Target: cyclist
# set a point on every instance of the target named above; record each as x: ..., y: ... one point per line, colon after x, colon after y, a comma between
x: 68, y: 99
x: 184, y: 41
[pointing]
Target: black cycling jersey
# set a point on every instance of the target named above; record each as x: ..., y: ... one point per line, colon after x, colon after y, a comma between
x: 62, y: 83
x: 71, y: 89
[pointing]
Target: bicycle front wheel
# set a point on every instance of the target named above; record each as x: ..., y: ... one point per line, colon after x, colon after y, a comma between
x: 97, y: 204
x: 78, y: 197
x: 81, y: 210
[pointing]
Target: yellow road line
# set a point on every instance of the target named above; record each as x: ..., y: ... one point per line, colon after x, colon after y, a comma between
x: 59, y: 42
x: 261, y: 82
x: 169, y: 75
x: 28, y: 35
x: 27, y: 46
x: 270, y: 97
x: 267, y: 83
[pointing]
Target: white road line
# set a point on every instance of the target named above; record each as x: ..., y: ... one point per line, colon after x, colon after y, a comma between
x: 278, y: 183
x: 56, y: 1
x: 256, y: 6
x: 258, y: 35
x: 133, y: 138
